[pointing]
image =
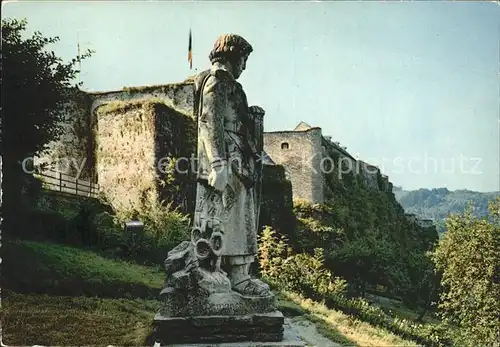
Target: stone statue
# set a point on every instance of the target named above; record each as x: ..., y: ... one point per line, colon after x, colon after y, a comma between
x: 209, y: 275
x: 229, y: 153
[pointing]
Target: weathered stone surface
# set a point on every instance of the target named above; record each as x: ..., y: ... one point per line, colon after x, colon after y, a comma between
x: 299, y: 151
x: 290, y: 339
x: 208, y: 294
x: 132, y: 139
x: 253, y: 327
x: 197, y: 303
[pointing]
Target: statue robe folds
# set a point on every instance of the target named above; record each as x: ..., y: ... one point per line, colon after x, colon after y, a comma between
x: 229, y: 133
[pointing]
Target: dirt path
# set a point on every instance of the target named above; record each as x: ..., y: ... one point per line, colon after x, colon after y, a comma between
x: 307, y: 332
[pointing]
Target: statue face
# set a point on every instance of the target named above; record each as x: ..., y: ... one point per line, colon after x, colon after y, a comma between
x: 240, y: 66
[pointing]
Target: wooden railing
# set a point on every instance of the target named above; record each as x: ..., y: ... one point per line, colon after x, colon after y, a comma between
x: 64, y: 183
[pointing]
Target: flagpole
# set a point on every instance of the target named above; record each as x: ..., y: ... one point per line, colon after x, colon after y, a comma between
x: 190, y: 50
x: 78, y: 54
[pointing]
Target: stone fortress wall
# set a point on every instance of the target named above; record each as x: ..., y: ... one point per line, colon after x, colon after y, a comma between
x: 102, y: 124
x: 297, y: 152
x: 303, y: 152
x: 117, y: 139
x: 78, y: 142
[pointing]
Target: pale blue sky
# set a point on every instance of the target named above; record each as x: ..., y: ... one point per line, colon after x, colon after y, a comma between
x: 398, y: 83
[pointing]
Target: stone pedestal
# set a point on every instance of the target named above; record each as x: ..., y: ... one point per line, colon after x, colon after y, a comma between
x: 179, y: 303
x: 217, y: 329
x: 290, y: 339
x: 198, y: 316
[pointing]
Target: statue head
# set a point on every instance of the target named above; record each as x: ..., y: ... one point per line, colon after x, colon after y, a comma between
x: 231, y: 49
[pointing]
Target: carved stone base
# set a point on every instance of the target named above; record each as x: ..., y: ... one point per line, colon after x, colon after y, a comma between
x: 213, y: 329
x: 177, y: 303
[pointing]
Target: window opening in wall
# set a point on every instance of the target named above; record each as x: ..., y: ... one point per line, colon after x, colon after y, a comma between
x: 285, y: 145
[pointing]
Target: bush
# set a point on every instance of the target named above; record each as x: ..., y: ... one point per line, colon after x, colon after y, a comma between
x: 50, y: 216
x: 164, y: 228
x: 108, y: 230
x: 136, y: 244
x: 302, y: 273
x: 305, y: 274
x: 92, y: 223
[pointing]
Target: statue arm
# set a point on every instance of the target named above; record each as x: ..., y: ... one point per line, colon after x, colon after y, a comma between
x: 215, y: 102
x: 257, y: 114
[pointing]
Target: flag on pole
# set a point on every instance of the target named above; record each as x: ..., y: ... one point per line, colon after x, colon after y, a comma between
x: 190, y: 52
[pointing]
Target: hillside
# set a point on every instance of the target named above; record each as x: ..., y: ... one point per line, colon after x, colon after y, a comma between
x: 365, y: 236
x: 55, y: 294
x: 438, y: 203
x: 60, y: 295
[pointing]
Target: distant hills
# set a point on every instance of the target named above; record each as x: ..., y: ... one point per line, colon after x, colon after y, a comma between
x: 438, y: 203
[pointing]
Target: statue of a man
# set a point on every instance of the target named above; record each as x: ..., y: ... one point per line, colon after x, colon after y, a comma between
x: 229, y: 169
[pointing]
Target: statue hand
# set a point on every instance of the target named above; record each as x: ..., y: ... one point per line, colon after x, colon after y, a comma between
x: 218, y: 178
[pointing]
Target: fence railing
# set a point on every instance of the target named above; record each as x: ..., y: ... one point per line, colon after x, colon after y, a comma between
x: 64, y: 183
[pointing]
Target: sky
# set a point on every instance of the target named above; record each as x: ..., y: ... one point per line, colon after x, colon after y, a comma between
x: 412, y: 87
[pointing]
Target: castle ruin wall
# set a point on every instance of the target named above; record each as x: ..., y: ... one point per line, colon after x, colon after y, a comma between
x: 300, y: 152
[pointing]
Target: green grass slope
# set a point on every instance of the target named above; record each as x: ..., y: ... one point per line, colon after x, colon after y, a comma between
x: 59, y: 295
x: 34, y: 267
x: 29, y: 319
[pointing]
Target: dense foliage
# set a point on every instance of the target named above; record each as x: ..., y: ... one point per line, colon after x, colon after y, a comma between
x: 367, y: 239
x: 70, y: 271
x: 469, y: 257
x: 302, y: 273
x: 91, y: 223
x: 164, y: 228
x: 306, y: 275
x: 36, y: 86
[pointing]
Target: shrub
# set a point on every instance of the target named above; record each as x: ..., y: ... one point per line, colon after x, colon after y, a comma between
x: 301, y: 273
x: 305, y: 274
x: 109, y: 233
x: 164, y: 228
x: 42, y: 224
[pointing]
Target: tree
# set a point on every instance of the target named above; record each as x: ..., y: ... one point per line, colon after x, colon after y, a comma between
x: 368, y: 260
x: 468, y: 256
x: 37, y: 86
x: 423, y: 284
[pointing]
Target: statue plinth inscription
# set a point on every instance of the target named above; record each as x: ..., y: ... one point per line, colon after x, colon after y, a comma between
x: 209, y: 294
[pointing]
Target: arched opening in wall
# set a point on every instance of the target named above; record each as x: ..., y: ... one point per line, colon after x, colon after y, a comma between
x: 285, y: 145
